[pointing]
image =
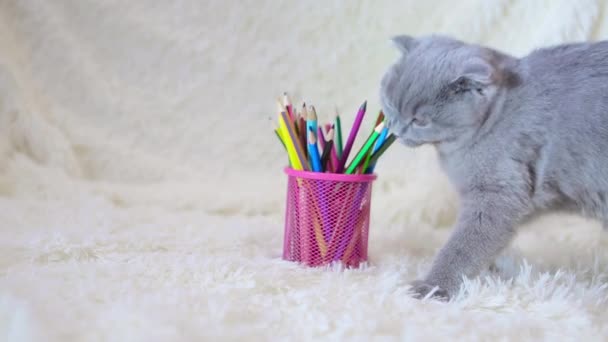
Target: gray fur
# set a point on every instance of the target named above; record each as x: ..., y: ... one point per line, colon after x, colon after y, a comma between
x: 516, y: 137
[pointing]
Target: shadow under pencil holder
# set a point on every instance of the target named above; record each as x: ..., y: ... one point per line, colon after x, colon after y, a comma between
x: 327, y: 217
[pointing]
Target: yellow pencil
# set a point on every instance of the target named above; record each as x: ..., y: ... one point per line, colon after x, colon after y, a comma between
x: 294, y: 147
x: 289, y: 144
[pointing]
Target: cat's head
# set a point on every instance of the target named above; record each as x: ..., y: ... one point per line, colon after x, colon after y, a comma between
x: 439, y: 90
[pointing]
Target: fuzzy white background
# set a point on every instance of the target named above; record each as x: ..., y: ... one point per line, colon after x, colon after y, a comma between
x: 141, y: 192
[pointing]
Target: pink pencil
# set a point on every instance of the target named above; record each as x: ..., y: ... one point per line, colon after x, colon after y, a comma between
x: 288, y: 106
x: 333, y: 158
x: 351, y: 137
x: 321, y: 137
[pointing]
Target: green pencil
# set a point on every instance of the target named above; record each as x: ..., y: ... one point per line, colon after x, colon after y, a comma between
x: 276, y: 131
x: 338, y: 133
x: 281, y: 140
x: 366, y: 147
x: 368, y: 157
x: 369, y: 153
x: 387, y: 143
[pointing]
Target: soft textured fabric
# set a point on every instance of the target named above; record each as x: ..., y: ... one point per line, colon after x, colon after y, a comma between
x: 141, y: 191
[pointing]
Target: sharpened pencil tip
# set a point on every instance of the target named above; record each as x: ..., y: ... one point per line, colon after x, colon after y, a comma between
x: 286, y: 100
x: 312, y: 115
x: 312, y: 138
x: 280, y: 107
x: 330, y: 135
x: 364, y: 105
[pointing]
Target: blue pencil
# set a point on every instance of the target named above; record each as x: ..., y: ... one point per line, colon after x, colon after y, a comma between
x: 311, y: 120
x: 313, y: 152
x: 380, y: 140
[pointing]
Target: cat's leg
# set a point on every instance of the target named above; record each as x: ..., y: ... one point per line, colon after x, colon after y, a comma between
x: 485, y: 226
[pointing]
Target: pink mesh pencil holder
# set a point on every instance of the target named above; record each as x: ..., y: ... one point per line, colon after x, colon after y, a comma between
x: 327, y: 217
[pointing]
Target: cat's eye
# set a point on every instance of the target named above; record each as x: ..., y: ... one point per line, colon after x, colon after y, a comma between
x: 419, y: 123
x: 464, y: 85
x: 460, y: 86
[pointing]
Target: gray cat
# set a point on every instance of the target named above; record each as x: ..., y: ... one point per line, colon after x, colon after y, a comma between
x: 516, y: 137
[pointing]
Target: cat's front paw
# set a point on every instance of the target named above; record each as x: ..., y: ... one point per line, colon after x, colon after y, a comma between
x: 421, y: 289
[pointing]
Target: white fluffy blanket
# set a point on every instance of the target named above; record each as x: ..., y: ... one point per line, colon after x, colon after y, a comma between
x: 141, y: 191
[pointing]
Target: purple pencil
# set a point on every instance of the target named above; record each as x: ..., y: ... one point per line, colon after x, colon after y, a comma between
x: 351, y: 137
x: 321, y: 137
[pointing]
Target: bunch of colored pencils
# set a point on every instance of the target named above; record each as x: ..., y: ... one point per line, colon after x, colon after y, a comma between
x: 319, y: 148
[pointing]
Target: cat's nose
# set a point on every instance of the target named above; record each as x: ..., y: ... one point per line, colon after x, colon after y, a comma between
x: 391, y: 123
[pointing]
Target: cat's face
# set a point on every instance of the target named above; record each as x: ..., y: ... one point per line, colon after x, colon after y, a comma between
x: 438, y: 91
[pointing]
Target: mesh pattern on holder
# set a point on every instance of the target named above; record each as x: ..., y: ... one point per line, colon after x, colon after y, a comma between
x: 327, y: 218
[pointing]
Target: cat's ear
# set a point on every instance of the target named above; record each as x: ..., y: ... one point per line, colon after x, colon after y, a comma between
x: 475, y: 75
x: 404, y: 43
x: 479, y: 71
